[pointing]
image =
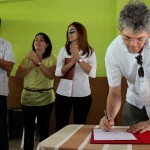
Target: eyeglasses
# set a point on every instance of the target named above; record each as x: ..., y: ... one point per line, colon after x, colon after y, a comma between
x: 71, y: 31
x: 138, y: 40
x: 140, y: 62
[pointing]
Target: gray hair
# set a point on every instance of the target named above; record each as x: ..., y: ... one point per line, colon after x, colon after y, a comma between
x: 136, y: 16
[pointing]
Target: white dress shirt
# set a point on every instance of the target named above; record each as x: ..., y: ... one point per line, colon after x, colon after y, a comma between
x: 5, y: 54
x: 119, y: 62
x: 79, y: 86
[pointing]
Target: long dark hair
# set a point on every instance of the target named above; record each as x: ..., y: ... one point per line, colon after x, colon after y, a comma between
x: 47, y: 40
x: 82, y: 39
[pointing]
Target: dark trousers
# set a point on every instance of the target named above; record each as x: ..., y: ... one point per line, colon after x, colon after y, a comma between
x: 63, y: 108
x: 133, y: 115
x: 43, y: 114
x: 3, y: 124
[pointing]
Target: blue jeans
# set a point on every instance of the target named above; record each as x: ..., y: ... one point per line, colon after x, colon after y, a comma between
x: 3, y: 124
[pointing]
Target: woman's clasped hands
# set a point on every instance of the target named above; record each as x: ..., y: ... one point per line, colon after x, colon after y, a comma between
x: 74, y: 49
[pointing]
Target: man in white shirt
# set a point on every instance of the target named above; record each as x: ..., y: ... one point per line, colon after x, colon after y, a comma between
x: 6, y: 66
x: 129, y: 56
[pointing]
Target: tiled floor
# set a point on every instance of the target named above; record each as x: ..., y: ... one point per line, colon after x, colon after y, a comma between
x: 15, y: 144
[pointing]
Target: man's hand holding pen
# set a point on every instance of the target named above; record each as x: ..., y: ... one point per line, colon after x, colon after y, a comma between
x: 106, y: 122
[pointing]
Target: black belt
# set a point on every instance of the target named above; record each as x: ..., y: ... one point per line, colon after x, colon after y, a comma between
x: 38, y: 90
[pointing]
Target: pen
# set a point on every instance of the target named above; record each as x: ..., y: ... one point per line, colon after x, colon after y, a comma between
x: 105, y: 112
x: 106, y: 115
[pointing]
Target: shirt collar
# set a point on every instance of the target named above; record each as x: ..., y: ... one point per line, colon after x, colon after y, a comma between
x: 147, y: 43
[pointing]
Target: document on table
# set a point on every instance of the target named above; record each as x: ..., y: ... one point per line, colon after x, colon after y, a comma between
x: 115, y: 134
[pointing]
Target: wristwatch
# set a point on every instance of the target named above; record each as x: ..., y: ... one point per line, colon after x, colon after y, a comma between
x: 39, y: 63
x: 80, y: 60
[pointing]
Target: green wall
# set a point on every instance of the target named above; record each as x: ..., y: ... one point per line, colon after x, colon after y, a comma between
x: 22, y: 19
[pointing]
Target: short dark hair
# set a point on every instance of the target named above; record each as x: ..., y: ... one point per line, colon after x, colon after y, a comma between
x: 135, y: 15
x: 48, y: 50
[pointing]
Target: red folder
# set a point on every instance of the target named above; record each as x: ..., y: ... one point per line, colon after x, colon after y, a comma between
x: 142, y: 138
x: 70, y: 73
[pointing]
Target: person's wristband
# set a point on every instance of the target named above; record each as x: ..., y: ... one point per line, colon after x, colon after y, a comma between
x: 39, y: 63
x: 80, y: 60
